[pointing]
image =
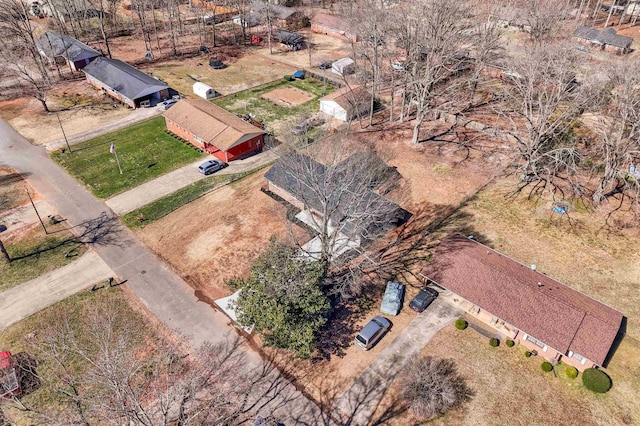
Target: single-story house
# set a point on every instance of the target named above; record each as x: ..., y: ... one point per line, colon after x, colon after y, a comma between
x: 211, y: 128
x: 281, y: 16
x: 606, y: 39
x: 52, y: 45
x: 358, y: 212
x: 346, y: 103
x: 530, y: 307
x: 333, y: 26
x: 125, y: 82
x: 343, y: 67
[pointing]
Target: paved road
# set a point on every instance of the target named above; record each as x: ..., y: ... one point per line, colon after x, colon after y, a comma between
x: 135, y: 116
x: 357, y: 405
x: 171, y: 182
x: 28, y: 298
x: 161, y: 290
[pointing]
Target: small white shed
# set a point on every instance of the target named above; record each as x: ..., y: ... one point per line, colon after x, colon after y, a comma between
x: 345, y: 104
x: 204, y: 91
x: 343, y: 66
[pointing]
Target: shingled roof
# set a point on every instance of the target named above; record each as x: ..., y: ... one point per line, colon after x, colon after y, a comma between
x: 349, y: 97
x: 330, y: 21
x: 344, y: 205
x: 53, y: 44
x: 123, y: 78
x: 211, y: 123
x: 540, y: 306
x: 607, y: 36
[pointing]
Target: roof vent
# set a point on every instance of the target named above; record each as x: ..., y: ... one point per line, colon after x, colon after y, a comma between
x: 539, y: 284
x: 470, y: 237
x: 488, y: 252
x: 533, y: 266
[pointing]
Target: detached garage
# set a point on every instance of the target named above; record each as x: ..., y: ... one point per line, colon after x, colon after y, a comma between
x: 346, y: 103
x: 212, y: 129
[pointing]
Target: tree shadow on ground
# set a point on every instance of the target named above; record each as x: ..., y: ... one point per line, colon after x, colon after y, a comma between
x: 26, y: 368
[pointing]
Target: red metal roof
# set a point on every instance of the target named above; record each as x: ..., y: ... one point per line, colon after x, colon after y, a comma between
x: 548, y: 310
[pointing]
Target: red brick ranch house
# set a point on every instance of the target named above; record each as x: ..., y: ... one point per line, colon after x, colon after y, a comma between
x: 211, y: 128
x: 525, y: 305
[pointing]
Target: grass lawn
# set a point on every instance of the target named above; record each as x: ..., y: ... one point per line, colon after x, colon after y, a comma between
x: 249, y: 101
x: 34, y: 255
x: 29, y: 334
x: 165, y: 205
x: 145, y: 151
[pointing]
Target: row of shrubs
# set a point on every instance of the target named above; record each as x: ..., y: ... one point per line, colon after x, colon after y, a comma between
x: 593, y: 379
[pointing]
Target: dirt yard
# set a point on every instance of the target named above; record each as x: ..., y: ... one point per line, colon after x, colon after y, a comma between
x: 323, y: 48
x: 287, y: 96
x: 219, y: 236
x: 241, y: 73
x: 12, y: 189
x: 81, y: 108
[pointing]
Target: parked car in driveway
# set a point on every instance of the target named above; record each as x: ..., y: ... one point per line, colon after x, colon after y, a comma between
x: 423, y: 299
x: 168, y: 104
x: 372, y: 332
x: 392, y: 299
x: 325, y: 65
x: 305, y: 125
x: 211, y: 166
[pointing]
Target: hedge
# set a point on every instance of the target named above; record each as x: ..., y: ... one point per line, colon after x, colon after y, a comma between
x: 494, y: 342
x: 572, y: 372
x: 528, y: 354
x: 546, y: 366
x: 596, y: 380
x: 461, y: 324
x: 509, y: 343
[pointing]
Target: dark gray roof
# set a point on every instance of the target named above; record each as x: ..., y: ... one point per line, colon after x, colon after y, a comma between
x: 53, y: 44
x: 606, y: 36
x: 287, y: 37
x: 348, y: 207
x: 123, y: 78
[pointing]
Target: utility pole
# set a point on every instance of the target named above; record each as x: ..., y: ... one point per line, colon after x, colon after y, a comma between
x: 36, y: 210
x: 63, y: 133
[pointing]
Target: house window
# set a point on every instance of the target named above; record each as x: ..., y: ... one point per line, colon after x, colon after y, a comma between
x: 535, y: 341
x: 475, y: 309
x: 494, y: 320
x: 197, y: 139
x: 577, y: 356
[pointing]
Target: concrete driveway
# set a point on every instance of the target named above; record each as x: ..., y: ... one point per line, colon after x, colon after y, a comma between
x: 178, y: 179
x: 28, y: 298
x: 359, y: 402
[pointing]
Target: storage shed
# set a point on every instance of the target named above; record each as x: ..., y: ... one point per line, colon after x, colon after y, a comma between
x: 345, y: 104
x: 343, y: 66
x: 204, y: 91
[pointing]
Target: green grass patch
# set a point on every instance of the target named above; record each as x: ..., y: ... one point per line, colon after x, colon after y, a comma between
x: 249, y: 101
x: 34, y: 256
x: 145, y: 215
x: 144, y: 149
x: 29, y: 335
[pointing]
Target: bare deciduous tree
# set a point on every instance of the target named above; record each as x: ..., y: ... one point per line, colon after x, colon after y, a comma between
x: 543, y: 18
x: 432, y: 386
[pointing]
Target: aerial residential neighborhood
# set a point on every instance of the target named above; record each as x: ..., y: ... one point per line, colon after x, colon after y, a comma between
x: 319, y: 212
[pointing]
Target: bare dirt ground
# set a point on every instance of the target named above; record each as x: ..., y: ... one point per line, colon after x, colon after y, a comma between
x: 287, y: 96
x: 220, y: 235
x: 323, y: 48
x: 243, y: 72
x: 12, y: 189
x: 80, y: 107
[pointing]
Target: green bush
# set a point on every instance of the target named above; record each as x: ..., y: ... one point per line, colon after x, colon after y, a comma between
x: 596, y: 380
x: 528, y: 354
x: 461, y: 324
x: 509, y: 343
x: 572, y: 372
x: 546, y: 366
x: 494, y: 342
x: 288, y: 78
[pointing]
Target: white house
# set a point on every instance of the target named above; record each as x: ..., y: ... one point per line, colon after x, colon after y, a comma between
x: 347, y: 103
x: 204, y: 91
x: 343, y: 66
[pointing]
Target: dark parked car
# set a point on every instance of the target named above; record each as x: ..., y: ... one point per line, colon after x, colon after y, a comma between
x: 211, y: 166
x: 305, y: 125
x: 325, y: 65
x: 217, y: 65
x: 423, y: 299
x: 392, y: 299
x: 372, y: 332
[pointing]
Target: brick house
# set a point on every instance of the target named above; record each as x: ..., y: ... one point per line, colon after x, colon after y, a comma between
x: 214, y: 130
x: 125, y: 83
x: 525, y: 305
x: 333, y: 26
x: 606, y: 39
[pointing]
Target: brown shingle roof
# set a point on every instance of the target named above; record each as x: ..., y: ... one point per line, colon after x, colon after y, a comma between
x: 211, y: 123
x: 330, y: 21
x: 554, y: 313
x: 349, y: 97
